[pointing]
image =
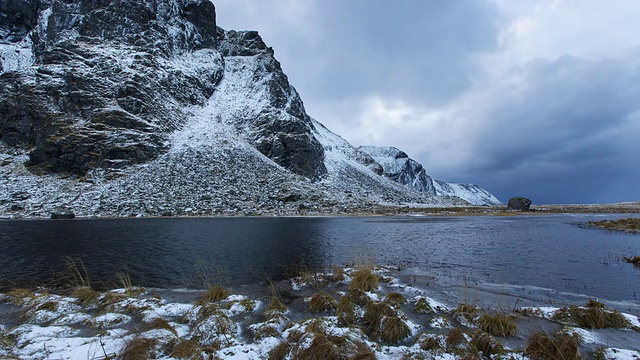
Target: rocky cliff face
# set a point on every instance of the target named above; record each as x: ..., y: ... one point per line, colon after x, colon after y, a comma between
x: 125, y: 107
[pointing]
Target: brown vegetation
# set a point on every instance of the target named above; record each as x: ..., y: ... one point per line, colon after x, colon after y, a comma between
x: 364, y: 279
x: 561, y: 346
x: 631, y: 225
x: 498, y: 324
x: 594, y: 315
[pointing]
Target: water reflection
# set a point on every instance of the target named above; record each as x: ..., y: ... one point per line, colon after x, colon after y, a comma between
x: 544, y: 251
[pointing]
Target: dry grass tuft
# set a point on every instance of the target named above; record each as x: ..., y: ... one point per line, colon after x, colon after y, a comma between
x: 498, y: 324
x: 187, y: 350
x: 321, y: 348
x: 430, y: 343
x: 86, y: 296
x: 321, y: 302
x: 160, y: 323
x: 631, y: 225
x: 21, y: 296
x: 393, y: 330
x: 213, y: 294
x: 395, y: 299
x: 364, y: 279
x: 110, y: 298
x: 338, y: 274
x: 486, y: 344
x: 422, y: 306
x: 594, y: 315
x: 358, y: 297
x: 139, y: 349
x: 562, y: 346
x: 373, y: 315
x: 281, y: 351
x: 454, y: 338
x: 468, y: 311
x: 276, y: 308
x: 633, y: 260
x: 266, y: 331
x: 346, y: 313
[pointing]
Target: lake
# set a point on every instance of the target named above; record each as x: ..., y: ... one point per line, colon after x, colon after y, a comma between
x: 546, y: 251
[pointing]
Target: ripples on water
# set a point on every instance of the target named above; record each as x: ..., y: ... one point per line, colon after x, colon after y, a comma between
x: 545, y: 251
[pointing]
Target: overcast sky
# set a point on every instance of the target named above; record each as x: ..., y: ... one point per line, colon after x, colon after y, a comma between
x: 524, y: 98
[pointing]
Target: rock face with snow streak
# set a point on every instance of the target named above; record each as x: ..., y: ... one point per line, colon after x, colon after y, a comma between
x: 125, y: 107
x: 400, y: 168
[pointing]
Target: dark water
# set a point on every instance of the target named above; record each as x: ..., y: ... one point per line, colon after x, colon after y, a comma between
x: 543, y: 251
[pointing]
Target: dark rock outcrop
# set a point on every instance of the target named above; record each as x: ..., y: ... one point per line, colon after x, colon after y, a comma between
x: 519, y: 204
x: 61, y: 213
x: 399, y: 167
x: 108, y: 81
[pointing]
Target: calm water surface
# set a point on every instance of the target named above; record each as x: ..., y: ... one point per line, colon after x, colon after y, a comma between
x: 542, y: 251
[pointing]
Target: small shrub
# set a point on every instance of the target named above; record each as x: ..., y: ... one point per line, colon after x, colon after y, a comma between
x: 541, y: 346
x: 422, y: 306
x: 346, y: 313
x: 393, y: 330
x: 139, y: 349
x: 213, y: 294
x: 187, y: 349
x: 498, y: 324
x: 395, y: 299
x: 364, y: 279
x: 454, y: 338
x: 321, y: 302
x: 486, y: 344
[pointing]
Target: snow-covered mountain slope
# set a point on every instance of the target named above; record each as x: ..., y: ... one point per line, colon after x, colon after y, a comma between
x: 400, y: 168
x: 129, y: 108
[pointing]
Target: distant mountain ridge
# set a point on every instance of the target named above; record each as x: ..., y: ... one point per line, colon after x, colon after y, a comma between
x: 128, y: 108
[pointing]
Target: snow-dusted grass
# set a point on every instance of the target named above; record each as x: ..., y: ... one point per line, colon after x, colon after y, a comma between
x: 392, y: 320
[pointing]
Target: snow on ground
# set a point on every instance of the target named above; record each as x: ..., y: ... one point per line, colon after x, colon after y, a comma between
x: 168, y: 324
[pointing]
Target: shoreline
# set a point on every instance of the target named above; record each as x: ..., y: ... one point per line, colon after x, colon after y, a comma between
x: 382, y: 211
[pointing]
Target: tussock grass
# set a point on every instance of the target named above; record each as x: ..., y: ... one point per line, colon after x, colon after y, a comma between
x: 393, y: 330
x: 422, y: 306
x: 562, y: 346
x: 430, y: 343
x: 594, y: 315
x: 281, y: 351
x: 338, y: 274
x: 139, y: 349
x: 108, y: 299
x: 79, y: 276
x: 21, y: 296
x: 213, y: 294
x: 85, y: 296
x: 635, y: 260
x: 276, y: 309
x: 266, y: 331
x: 498, y: 324
x: 346, y: 313
x: 364, y: 279
x: 373, y: 315
x: 468, y: 311
x: 395, y: 299
x: 321, y: 302
x: 455, y: 337
x: 187, y: 350
x: 321, y: 348
x: 486, y: 344
x: 359, y: 297
x: 631, y: 225
x: 160, y: 324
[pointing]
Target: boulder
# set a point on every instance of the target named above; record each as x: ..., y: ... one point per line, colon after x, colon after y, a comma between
x: 61, y: 213
x: 519, y: 204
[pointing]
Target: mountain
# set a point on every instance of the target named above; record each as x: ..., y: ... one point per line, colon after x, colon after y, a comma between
x: 130, y: 108
x: 399, y: 167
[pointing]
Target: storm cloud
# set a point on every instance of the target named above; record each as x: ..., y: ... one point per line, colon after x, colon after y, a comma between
x: 534, y: 98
